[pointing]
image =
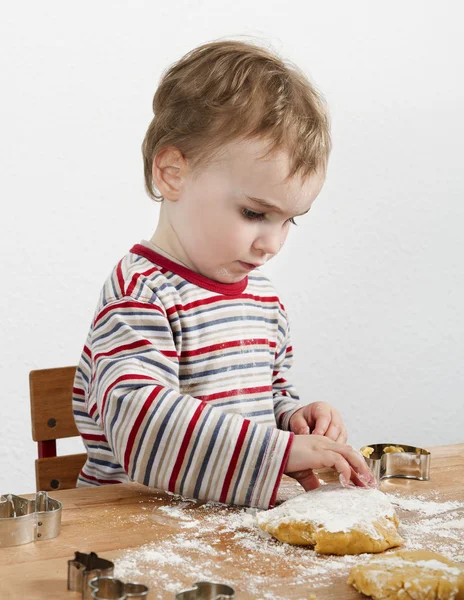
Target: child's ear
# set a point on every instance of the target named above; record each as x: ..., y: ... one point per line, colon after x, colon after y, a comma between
x: 168, y: 171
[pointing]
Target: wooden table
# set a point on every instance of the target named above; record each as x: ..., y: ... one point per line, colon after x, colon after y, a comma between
x: 186, y: 541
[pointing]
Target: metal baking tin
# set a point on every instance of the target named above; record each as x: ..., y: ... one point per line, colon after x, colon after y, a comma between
x: 23, y: 521
x: 206, y: 590
x: 413, y: 463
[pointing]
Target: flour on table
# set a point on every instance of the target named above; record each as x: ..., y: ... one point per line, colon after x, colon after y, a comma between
x: 205, y: 534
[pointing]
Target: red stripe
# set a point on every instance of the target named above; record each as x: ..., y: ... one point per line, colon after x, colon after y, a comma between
x: 78, y: 391
x: 184, y: 446
x: 234, y: 460
x: 118, y: 380
x: 103, y: 481
x: 135, y: 277
x: 232, y: 393
x: 138, y: 421
x: 120, y: 277
x: 127, y: 304
x: 94, y: 437
x: 281, y: 470
x: 214, y: 299
x: 88, y: 352
x: 137, y: 344
x: 225, y: 345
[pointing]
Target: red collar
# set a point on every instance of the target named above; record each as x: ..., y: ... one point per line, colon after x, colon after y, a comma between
x: 228, y: 289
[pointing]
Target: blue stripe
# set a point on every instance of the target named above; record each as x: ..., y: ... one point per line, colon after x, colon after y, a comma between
x: 79, y: 413
x: 132, y: 313
x: 257, y: 413
x: 209, y: 451
x: 232, y: 401
x: 143, y: 359
x: 207, y: 358
x: 251, y: 435
x: 153, y: 410
x: 107, y: 463
x: 258, y: 464
x: 229, y: 320
x: 225, y: 305
x: 83, y: 375
x: 161, y: 430
x: 252, y: 365
x: 192, y: 453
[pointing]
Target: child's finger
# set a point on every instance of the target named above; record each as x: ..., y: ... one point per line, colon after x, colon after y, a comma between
x: 321, y: 425
x: 342, y: 466
x: 307, y: 479
x: 343, y: 437
x: 299, y: 425
x: 333, y: 432
x: 356, y: 460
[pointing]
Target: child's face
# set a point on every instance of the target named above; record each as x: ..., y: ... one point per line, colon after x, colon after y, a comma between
x: 219, y: 225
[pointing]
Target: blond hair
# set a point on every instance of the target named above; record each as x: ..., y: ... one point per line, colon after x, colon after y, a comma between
x: 228, y: 90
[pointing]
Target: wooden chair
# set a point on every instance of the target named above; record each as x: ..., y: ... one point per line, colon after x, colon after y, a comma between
x: 52, y: 419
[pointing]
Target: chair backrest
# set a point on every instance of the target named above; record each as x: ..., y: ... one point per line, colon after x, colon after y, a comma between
x: 52, y: 418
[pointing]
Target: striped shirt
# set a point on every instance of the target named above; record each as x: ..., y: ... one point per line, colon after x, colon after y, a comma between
x: 181, y: 383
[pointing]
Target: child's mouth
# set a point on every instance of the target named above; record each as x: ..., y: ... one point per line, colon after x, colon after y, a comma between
x: 247, y: 266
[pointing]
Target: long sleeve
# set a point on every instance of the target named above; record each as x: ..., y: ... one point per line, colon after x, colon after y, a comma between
x: 286, y: 399
x: 165, y: 439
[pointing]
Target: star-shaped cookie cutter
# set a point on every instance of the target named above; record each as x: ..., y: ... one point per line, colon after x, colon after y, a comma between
x: 206, y: 590
x: 23, y: 520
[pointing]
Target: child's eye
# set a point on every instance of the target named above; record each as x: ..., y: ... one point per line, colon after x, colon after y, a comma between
x: 253, y: 216
x: 292, y: 221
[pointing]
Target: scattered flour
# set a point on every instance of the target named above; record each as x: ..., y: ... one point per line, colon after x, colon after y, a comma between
x: 223, y: 544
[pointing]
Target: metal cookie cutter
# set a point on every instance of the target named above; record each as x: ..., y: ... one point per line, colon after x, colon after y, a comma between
x: 206, y: 590
x: 110, y: 588
x: 387, y: 461
x: 85, y: 567
x: 23, y: 520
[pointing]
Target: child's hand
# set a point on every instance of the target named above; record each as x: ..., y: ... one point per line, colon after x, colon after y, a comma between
x: 310, y: 452
x: 321, y: 419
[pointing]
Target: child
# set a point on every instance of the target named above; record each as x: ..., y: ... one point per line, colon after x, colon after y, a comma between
x: 182, y: 382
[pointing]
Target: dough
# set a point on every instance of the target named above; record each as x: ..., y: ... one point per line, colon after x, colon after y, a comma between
x: 335, y: 520
x: 390, y: 449
x: 367, y: 451
x: 409, y: 574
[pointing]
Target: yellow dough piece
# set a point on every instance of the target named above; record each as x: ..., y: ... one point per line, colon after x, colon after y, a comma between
x: 367, y: 451
x: 390, y: 449
x: 335, y: 520
x: 409, y: 575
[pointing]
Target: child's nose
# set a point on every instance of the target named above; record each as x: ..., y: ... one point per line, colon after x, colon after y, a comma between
x: 270, y: 242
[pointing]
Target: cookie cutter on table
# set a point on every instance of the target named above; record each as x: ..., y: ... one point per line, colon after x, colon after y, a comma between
x: 85, y: 567
x: 93, y: 576
x: 409, y: 462
x: 110, y: 588
x: 23, y: 520
x: 206, y: 590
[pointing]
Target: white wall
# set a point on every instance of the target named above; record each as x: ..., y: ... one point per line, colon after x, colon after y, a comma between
x: 372, y: 278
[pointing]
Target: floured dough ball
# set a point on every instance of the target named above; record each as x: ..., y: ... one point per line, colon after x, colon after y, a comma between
x: 335, y: 520
x: 407, y: 574
x: 392, y: 449
x: 367, y: 451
